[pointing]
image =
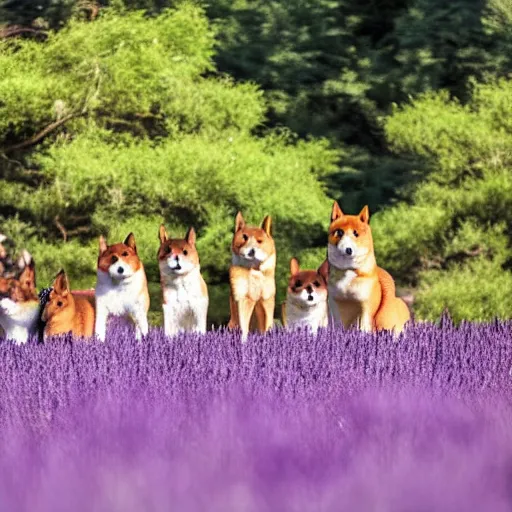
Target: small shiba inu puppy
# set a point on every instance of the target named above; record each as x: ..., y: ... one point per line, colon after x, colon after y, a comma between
x: 306, y: 298
x: 360, y: 293
x: 252, y: 276
x: 19, y: 303
x: 184, y: 291
x: 66, y: 311
x: 121, y: 287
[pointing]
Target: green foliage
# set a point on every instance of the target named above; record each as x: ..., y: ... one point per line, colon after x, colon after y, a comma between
x: 156, y: 138
x: 333, y: 68
x: 407, y: 92
x: 478, y: 290
x: 454, y: 239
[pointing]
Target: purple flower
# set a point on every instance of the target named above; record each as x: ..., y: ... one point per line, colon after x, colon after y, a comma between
x: 341, y: 421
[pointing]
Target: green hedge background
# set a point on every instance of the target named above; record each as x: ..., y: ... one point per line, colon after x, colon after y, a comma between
x: 116, y: 116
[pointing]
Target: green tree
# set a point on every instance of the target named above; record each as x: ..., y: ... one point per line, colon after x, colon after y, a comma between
x: 453, y: 240
x: 119, y: 124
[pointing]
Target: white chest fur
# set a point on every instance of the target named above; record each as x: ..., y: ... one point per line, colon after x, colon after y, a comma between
x: 19, y: 321
x: 313, y: 317
x: 346, y: 285
x: 124, y: 298
x: 185, y: 302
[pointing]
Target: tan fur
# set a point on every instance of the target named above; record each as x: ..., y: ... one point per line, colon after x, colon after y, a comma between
x: 19, y: 303
x: 252, y: 278
x: 184, y: 291
x: 361, y: 294
x: 306, y: 298
x: 67, y: 311
x: 121, y: 287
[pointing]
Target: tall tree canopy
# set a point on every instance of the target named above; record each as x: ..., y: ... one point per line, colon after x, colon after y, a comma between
x: 148, y: 134
x: 122, y: 118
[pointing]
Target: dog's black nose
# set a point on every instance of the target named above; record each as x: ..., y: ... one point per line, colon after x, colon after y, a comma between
x: 252, y: 252
x: 310, y: 297
x: 120, y: 270
x: 348, y: 250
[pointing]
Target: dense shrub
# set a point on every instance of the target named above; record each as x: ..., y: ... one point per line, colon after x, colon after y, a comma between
x: 453, y: 241
x: 155, y: 136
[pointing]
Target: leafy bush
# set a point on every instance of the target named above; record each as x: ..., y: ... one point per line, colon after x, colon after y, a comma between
x: 454, y: 239
x: 156, y: 137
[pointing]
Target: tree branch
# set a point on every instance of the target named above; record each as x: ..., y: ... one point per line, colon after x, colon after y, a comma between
x: 61, y: 228
x: 16, y: 30
x: 38, y: 137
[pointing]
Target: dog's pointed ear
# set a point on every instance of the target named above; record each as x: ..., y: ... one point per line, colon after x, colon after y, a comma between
x: 336, y: 212
x: 27, y: 277
x: 162, y: 234
x: 364, y: 215
x: 61, y: 283
x: 294, y: 266
x: 266, y: 225
x: 103, y: 244
x: 25, y: 260
x: 190, y: 237
x: 323, y: 270
x: 239, y: 222
x: 130, y: 242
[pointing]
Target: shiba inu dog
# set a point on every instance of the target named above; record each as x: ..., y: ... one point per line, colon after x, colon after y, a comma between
x: 66, y: 311
x: 252, y: 276
x: 306, y: 298
x: 19, y: 303
x: 184, y: 291
x: 121, y: 287
x: 360, y: 293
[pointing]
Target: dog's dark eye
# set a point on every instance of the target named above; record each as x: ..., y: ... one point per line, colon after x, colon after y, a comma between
x: 59, y: 303
x: 298, y: 284
x: 113, y: 259
x: 316, y: 283
x: 260, y: 241
x: 167, y: 250
x: 245, y: 237
x: 124, y: 254
x: 356, y: 234
x: 339, y: 233
x: 185, y: 252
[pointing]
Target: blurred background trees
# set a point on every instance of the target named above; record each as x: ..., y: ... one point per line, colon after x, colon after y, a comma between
x: 113, y: 119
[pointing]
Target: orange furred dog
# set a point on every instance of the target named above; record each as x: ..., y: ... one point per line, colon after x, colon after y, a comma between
x: 66, y: 311
x: 121, y: 287
x: 184, y: 292
x: 252, y: 276
x: 19, y: 303
x: 306, y: 298
x: 361, y: 294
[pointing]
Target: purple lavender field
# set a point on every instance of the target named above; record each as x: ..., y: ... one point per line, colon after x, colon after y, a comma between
x: 343, y: 421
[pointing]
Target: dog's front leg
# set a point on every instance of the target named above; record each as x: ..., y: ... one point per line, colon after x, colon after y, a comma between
x: 200, y: 317
x: 234, y: 321
x: 100, y: 324
x: 170, y: 320
x: 334, y: 308
x: 140, y: 318
x: 365, y: 321
x: 265, y: 314
x: 245, y: 309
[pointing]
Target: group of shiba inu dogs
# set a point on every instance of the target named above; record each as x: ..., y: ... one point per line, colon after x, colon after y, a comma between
x: 347, y: 289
